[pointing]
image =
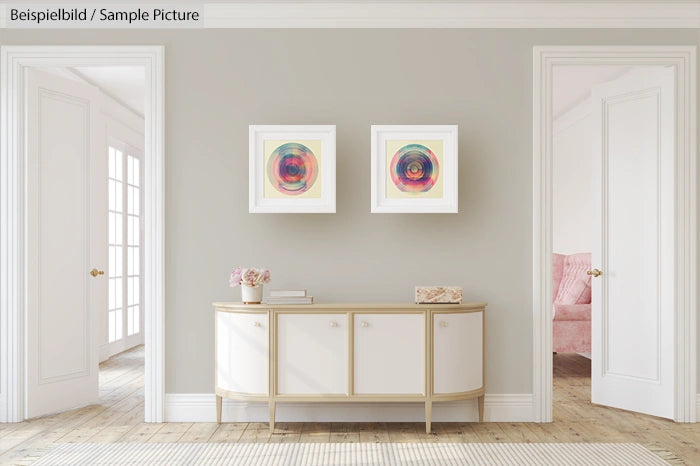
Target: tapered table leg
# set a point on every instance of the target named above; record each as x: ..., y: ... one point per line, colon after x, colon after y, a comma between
x: 428, y: 415
x: 481, y: 408
x: 272, y: 415
x: 218, y: 409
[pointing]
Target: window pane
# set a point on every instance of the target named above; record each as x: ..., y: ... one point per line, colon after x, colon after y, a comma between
x: 133, y: 292
x: 112, y: 326
x: 137, y: 179
x: 119, y: 321
x: 110, y: 192
x: 119, y: 257
x: 137, y: 319
x: 129, y: 230
x: 133, y: 200
x: 130, y: 261
x: 133, y: 228
x: 135, y: 239
x: 112, y: 302
x: 111, y: 268
x: 111, y: 162
x: 119, y: 167
x: 118, y: 293
x: 130, y: 169
x: 137, y: 201
x: 130, y: 321
x: 130, y: 200
x: 112, y: 228
x: 118, y: 196
x: 136, y: 260
x: 129, y: 292
x: 118, y: 228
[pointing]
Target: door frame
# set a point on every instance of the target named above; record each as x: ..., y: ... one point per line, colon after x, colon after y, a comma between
x: 683, y: 58
x: 14, y: 61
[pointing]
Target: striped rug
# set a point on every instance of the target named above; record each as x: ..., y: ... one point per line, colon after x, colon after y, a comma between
x: 337, y: 454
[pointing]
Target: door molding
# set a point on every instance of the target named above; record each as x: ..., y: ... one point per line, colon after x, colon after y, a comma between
x: 683, y: 58
x: 14, y: 60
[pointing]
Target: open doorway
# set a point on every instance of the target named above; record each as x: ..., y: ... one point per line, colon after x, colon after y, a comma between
x: 613, y: 236
x: 643, y: 229
x: 572, y: 225
x: 664, y: 167
x: 85, y: 143
x: 94, y: 188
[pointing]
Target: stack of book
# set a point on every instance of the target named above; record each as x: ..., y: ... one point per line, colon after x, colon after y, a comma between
x: 288, y: 297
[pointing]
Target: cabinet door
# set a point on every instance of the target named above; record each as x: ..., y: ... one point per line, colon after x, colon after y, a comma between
x: 457, y: 352
x: 242, y: 352
x: 312, y: 354
x: 389, y: 353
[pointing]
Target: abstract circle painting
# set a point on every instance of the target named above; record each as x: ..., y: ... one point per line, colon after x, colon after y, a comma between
x: 292, y: 168
x: 414, y: 168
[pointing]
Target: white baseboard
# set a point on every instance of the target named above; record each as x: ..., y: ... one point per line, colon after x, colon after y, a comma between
x: 201, y: 407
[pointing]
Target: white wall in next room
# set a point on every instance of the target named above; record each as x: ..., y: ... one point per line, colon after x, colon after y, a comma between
x: 571, y: 170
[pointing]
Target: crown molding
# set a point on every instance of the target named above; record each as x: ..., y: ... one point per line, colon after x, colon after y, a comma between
x: 461, y: 14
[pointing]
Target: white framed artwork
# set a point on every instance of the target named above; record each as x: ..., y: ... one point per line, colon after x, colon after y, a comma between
x: 414, y: 169
x: 292, y: 169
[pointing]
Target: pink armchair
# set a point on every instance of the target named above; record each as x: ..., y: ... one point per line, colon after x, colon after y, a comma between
x: 571, y: 295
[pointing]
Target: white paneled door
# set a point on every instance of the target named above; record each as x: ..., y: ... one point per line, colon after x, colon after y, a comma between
x: 633, y: 244
x: 66, y: 234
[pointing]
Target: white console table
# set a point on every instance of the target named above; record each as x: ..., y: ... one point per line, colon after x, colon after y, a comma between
x: 349, y: 352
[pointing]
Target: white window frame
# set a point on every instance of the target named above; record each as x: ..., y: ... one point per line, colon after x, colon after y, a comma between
x: 128, y: 341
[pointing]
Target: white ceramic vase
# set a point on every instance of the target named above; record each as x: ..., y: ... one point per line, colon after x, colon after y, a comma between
x: 251, y: 294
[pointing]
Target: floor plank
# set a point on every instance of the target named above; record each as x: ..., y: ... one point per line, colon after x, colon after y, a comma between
x: 286, y: 432
x: 170, y: 432
x: 256, y: 432
x: 315, y: 432
x: 228, y: 432
x: 200, y: 432
x: 345, y: 432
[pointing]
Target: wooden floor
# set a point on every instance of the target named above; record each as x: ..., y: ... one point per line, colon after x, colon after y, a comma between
x: 119, y: 418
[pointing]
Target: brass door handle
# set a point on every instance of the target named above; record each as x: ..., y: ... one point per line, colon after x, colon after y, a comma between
x: 595, y: 273
x: 95, y: 272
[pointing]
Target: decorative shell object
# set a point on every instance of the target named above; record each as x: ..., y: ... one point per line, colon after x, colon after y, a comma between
x: 438, y: 294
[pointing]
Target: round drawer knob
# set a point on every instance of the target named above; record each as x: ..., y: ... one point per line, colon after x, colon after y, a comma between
x: 443, y: 324
x: 365, y: 324
x: 334, y: 324
x: 256, y: 324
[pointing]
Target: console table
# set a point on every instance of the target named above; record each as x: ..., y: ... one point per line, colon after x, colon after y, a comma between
x: 349, y: 352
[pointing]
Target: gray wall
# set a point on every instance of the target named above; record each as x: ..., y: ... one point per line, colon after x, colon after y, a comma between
x: 220, y: 81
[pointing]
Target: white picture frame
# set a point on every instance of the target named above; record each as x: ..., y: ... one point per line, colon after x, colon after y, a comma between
x: 382, y: 135
x: 323, y: 137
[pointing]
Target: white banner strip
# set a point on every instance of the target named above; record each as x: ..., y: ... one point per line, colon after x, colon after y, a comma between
x: 103, y: 16
x: 358, y: 14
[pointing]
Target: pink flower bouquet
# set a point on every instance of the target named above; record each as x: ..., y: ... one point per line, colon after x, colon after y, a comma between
x: 249, y: 276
